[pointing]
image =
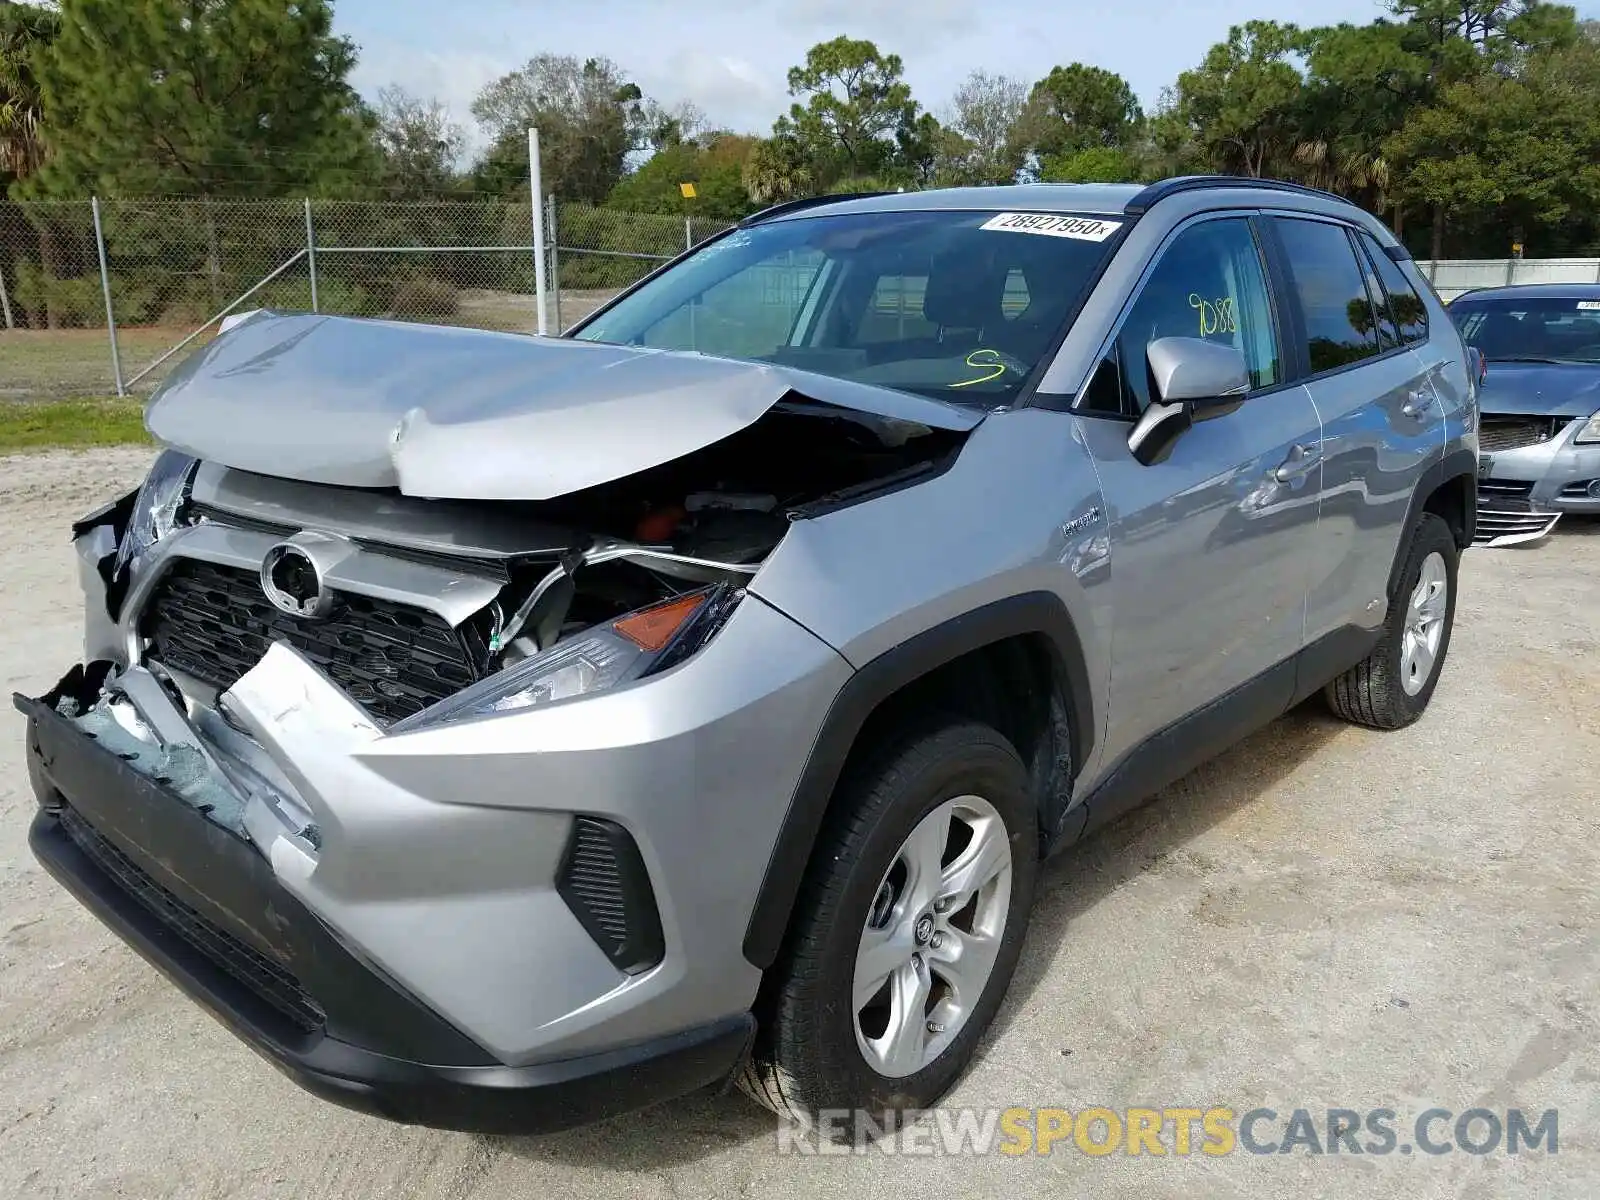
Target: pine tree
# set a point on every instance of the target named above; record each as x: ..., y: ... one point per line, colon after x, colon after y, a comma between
x: 201, y: 98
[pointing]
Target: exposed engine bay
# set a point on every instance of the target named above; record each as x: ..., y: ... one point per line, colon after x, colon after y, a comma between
x: 443, y: 520
x: 714, y: 515
x: 634, y: 574
x: 361, y: 529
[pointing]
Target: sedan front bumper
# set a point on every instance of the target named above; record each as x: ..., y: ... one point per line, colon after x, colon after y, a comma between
x: 1523, y: 492
x: 205, y: 908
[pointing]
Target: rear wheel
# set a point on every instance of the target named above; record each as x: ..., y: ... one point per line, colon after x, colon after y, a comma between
x: 1391, y: 687
x: 907, y: 931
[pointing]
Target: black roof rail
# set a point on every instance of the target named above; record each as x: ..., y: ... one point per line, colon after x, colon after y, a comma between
x: 789, y: 206
x: 1156, y: 192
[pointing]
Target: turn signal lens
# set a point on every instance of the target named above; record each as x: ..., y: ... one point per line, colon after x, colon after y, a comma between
x: 652, y: 628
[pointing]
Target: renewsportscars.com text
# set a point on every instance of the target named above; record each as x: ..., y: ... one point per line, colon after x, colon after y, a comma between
x: 1175, y: 1132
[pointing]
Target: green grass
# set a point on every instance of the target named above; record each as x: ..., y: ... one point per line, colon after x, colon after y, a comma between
x: 27, y: 425
x: 77, y: 362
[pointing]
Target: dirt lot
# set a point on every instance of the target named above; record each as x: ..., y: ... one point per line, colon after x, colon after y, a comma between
x: 1323, y: 917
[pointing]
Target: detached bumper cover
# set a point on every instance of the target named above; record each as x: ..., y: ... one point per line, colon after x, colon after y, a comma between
x: 1510, y: 521
x: 204, y: 907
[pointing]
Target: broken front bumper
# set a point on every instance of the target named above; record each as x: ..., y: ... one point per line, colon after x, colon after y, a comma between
x: 398, y: 919
x: 486, y: 873
x: 1524, y: 491
x: 203, y: 906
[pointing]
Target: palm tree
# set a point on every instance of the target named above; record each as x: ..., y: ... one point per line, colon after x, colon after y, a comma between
x: 1348, y: 170
x: 775, y: 172
x: 23, y: 28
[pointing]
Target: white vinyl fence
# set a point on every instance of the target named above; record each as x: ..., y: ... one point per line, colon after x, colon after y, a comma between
x: 1452, y: 277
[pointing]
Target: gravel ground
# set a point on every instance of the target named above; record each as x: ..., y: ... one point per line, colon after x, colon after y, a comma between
x: 1323, y: 917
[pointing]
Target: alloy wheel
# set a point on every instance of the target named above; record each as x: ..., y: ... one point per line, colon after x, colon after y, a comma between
x: 1425, y: 616
x: 932, y: 936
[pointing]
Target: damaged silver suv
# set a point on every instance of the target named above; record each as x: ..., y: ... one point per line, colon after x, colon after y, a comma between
x: 502, y: 733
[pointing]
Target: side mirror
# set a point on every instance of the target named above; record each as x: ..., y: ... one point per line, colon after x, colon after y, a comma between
x: 1189, y: 374
x: 1193, y: 371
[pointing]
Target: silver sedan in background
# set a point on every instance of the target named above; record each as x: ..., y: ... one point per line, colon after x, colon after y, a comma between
x: 1539, y: 436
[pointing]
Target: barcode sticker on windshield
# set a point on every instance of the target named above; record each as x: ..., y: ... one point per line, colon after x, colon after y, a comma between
x: 1084, y: 229
x: 1589, y: 305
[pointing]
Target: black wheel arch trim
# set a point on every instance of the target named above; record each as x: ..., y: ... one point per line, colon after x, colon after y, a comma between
x: 1455, y: 465
x: 1040, y: 613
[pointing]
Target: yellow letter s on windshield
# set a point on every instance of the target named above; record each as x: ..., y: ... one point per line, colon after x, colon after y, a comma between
x: 983, y: 360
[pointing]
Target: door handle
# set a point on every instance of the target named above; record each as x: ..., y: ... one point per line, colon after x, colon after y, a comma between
x: 1416, y: 401
x: 1301, y: 459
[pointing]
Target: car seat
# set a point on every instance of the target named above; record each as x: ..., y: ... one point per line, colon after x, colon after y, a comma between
x: 1027, y: 335
x: 963, y: 299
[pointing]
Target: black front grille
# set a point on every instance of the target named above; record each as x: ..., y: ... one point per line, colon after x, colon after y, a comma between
x: 260, y: 974
x: 1496, y: 433
x: 214, y: 623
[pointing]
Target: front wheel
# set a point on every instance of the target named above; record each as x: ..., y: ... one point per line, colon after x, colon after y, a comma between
x: 1391, y: 687
x: 907, y: 931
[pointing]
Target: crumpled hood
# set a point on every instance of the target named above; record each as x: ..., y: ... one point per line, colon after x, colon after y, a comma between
x: 1540, y: 390
x: 451, y: 413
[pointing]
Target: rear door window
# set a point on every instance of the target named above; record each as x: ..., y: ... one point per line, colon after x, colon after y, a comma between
x: 1341, y: 320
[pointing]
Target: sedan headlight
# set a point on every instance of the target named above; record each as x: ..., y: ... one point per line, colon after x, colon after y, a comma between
x: 641, y: 643
x: 156, y: 507
x: 1590, y: 431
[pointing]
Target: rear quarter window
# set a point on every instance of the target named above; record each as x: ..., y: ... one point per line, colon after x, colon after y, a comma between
x: 1407, y: 308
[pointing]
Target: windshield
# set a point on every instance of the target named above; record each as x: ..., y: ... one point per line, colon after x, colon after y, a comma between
x: 955, y: 305
x: 1513, y: 329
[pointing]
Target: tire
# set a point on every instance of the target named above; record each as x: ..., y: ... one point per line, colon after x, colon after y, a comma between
x: 1386, y: 690
x: 808, y: 1056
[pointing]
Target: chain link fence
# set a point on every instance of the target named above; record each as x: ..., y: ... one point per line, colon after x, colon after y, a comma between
x: 600, y: 251
x: 97, y: 294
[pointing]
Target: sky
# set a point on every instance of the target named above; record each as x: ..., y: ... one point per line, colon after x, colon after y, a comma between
x: 731, y: 57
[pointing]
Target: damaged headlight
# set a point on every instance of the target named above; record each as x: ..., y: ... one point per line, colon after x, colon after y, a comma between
x: 157, y: 507
x: 630, y: 647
